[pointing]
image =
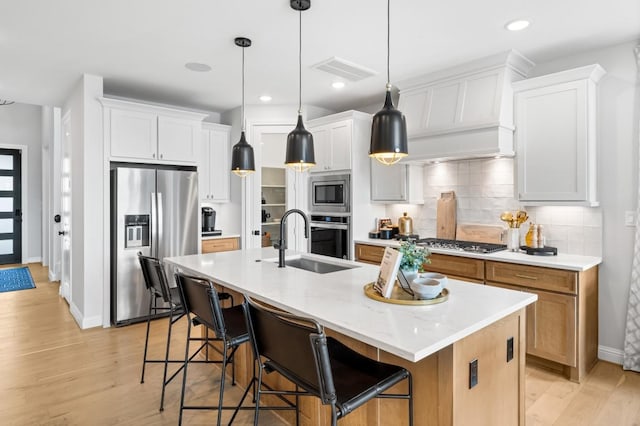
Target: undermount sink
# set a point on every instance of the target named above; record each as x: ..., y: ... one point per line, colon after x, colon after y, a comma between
x: 314, y: 265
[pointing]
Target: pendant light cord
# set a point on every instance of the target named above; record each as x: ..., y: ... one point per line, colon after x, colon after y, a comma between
x: 388, y: 42
x: 242, y: 112
x: 300, y: 64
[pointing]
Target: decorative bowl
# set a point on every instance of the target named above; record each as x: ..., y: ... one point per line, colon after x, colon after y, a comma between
x: 426, y: 288
x: 435, y: 276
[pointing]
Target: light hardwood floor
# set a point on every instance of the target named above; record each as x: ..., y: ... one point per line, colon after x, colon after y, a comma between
x: 53, y: 373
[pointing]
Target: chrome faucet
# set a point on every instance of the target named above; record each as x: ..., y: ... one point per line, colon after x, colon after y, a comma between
x: 281, y: 245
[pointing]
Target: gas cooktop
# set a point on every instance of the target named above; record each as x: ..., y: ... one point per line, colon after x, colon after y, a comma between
x: 470, y: 246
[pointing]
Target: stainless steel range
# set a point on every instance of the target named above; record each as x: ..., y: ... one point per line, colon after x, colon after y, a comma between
x: 470, y: 246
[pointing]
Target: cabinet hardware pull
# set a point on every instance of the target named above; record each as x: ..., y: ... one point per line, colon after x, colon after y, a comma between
x: 529, y: 277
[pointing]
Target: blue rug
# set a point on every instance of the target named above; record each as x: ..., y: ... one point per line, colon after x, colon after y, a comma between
x: 15, y: 279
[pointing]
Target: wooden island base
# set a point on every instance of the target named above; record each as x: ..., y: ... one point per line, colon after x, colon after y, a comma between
x: 441, y: 391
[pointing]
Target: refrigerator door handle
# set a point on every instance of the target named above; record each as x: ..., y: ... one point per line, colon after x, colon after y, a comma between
x: 152, y: 237
x: 160, y: 225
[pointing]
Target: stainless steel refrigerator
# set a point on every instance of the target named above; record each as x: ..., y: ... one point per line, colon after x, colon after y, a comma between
x: 154, y: 210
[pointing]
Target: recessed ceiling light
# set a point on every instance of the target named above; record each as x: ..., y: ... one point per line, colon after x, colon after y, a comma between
x: 265, y: 98
x: 337, y: 84
x: 517, y: 25
x: 197, y: 67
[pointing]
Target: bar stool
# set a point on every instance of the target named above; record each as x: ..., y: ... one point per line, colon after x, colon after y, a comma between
x: 298, y: 348
x: 156, y: 282
x: 202, y: 302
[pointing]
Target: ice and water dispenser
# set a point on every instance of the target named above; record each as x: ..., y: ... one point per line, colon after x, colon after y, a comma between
x: 136, y: 228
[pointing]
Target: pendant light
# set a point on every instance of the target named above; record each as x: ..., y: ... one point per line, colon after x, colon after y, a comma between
x: 242, y: 162
x: 300, y: 155
x: 389, y: 127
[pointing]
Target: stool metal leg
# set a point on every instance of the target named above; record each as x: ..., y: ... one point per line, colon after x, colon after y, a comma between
x: 146, y: 340
x: 184, y: 372
x: 222, y: 377
x: 410, y: 400
x: 166, y: 356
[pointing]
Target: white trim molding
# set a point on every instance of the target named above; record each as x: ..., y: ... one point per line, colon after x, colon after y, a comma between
x: 84, y: 323
x: 613, y: 355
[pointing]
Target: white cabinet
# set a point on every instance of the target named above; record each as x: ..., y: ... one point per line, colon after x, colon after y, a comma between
x: 556, y: 137
x: 398, y: 183
x: 332, y: 144
x: 148, y: 133
x: 214, y: 169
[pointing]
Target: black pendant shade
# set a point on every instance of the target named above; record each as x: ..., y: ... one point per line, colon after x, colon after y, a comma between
x: 300, y: 154
x: 388, y: 134
x: 389, y: 127
x: 242, y: 162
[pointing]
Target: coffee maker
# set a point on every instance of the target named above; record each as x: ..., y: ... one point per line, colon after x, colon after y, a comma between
x: 209, y: 222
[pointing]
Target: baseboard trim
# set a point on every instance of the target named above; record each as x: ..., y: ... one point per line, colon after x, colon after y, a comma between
x: 53, y: 277
x: 613, y: 355
x: 33, y: 260
x: 90, y: 322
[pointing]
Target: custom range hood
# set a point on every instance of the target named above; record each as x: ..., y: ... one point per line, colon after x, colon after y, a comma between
x: 463, y: 112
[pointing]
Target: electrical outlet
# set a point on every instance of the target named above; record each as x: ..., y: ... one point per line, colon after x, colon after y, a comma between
x: 509, y: 349
x: 630, y: 218
x: 473, y: 373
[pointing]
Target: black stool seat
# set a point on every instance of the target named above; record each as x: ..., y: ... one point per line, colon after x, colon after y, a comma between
x: 358, y: 378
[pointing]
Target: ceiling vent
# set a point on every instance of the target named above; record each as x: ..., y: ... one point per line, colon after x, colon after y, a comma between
x: 344, y: 69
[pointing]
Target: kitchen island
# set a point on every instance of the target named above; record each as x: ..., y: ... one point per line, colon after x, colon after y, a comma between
x: 478, y: 325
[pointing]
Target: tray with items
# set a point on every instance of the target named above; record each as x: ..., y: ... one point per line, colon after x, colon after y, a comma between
x: 401, y: 297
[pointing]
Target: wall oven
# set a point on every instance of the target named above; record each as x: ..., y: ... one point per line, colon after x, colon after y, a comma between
x: 331, y: 236
x: 329, y: 194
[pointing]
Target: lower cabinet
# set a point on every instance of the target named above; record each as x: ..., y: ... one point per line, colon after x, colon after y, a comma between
x: 369, y: 254
x: 562, y: 326
x: 220, y: 244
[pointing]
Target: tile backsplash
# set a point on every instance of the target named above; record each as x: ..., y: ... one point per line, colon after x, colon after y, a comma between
x: 485, y: 188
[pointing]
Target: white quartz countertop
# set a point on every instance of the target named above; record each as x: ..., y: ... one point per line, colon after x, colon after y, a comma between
x: 219, y: 237
x: 337, y: 300
x: 571, y: 262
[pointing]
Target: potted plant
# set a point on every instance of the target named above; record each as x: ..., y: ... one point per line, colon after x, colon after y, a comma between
x: 413, y: 257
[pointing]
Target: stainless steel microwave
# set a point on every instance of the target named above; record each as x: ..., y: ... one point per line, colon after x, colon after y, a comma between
x: 329, y: 193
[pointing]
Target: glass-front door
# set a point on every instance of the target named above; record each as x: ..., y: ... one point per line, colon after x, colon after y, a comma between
x: 10, y: 206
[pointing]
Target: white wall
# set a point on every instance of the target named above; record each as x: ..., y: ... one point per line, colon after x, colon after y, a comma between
x: 21, y: 124
x: 89, y: 279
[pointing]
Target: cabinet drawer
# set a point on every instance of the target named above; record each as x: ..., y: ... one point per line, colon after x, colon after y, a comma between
x: 533, y: 277
x: 221, y: 244
x: 369, y: 254
x: 462, y: 267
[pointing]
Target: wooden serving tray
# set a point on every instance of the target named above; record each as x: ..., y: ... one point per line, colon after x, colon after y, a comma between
x: 400, y: 297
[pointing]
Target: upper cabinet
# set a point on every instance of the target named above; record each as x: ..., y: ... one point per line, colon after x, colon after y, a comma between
x: 332, y: 144
x: 148, y: 133
x: 465, y: 111
x: 555, y: 119
x: 398, y: 183
x: 214, y: 168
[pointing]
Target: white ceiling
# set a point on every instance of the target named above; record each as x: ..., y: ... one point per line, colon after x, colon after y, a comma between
x: 140, y: 47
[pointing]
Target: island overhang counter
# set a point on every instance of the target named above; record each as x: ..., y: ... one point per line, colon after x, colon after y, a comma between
x: 438, y: 343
